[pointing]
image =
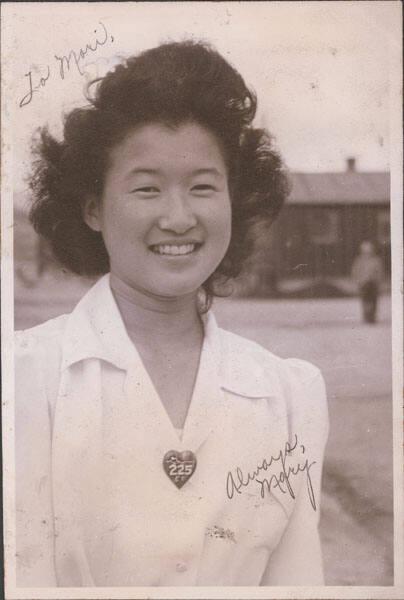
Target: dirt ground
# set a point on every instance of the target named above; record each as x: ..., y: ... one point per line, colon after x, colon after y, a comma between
x: 357, y: 504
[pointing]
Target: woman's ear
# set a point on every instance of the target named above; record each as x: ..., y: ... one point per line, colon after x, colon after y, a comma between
x: 91, y: 213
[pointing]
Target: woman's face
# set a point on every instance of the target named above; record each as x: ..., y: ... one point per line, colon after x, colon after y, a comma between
x: 165, y: 212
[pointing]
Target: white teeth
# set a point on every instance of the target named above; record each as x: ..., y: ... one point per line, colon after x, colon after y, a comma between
x: 173, y: 250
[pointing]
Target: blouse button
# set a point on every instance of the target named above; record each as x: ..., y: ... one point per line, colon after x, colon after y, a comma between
x: 181, y: 567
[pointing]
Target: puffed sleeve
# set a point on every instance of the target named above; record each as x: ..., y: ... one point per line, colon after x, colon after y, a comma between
x: 297, y: 560
x: 34, y: 513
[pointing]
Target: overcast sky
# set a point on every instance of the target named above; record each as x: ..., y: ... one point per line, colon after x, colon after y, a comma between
x: 320, y: 69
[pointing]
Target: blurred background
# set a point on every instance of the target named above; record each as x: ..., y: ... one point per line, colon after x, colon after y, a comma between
x: 322, y: 81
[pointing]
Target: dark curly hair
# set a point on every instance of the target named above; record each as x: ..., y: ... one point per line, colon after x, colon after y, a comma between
x: 172, y: 83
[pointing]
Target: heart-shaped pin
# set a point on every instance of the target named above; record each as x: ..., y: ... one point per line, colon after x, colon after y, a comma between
x: 179, y: 466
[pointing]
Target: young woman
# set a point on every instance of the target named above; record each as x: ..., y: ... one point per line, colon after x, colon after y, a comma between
x: 154, y: 448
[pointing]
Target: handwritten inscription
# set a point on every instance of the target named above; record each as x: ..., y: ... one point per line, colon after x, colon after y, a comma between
x: 73, y: 59
x: 274, y: 478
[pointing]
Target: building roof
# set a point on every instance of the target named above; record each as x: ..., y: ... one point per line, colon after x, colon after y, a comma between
x: 349, y: 187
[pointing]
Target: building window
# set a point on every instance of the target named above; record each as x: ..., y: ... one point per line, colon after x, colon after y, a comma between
x: 323, y: 226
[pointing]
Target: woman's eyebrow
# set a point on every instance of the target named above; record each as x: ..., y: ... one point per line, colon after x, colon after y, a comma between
x: 203, y: 171
x: 141, y: 171
x: 208, y: 171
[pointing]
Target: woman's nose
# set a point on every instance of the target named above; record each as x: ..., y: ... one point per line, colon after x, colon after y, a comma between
x: 178, y: 215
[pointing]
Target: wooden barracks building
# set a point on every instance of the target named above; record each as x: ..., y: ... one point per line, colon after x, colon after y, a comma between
x: 321, y: 226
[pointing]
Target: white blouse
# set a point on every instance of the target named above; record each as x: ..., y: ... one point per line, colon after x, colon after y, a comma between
x: 95, y: 506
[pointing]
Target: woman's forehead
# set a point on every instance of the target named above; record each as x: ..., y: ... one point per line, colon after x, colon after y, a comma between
x: 158, y: 146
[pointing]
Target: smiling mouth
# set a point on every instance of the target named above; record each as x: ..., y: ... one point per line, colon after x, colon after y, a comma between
x: 174, y: 249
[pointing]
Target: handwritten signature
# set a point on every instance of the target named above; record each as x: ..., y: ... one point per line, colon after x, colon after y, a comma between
x: 63, y: 63
x: 282, y: 479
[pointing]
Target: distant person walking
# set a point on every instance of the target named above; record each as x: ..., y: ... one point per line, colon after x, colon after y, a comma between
x: 368, y: 273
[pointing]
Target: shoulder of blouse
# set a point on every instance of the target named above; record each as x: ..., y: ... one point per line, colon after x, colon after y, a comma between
x: 253, y: 371
x: 240, y: 350
x: 37, y: 359
x: 47, y: 332
x: 41, y: 342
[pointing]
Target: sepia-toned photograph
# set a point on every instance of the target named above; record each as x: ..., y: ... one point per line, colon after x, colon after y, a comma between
x: 202, y: 299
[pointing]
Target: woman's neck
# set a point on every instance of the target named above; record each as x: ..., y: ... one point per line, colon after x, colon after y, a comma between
x: 157, y: 320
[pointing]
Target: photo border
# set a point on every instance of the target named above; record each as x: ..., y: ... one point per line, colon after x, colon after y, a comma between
x: 7, y: 309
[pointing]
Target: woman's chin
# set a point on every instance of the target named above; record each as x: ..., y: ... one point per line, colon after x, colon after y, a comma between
x: 176, y: 287
x: 173, y: 293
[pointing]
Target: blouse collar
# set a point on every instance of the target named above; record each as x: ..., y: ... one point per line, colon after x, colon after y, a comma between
x: 95, y: 329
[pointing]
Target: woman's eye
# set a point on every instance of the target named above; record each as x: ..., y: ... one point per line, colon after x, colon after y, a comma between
x: 203, y: 187
x: 147, y: 189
